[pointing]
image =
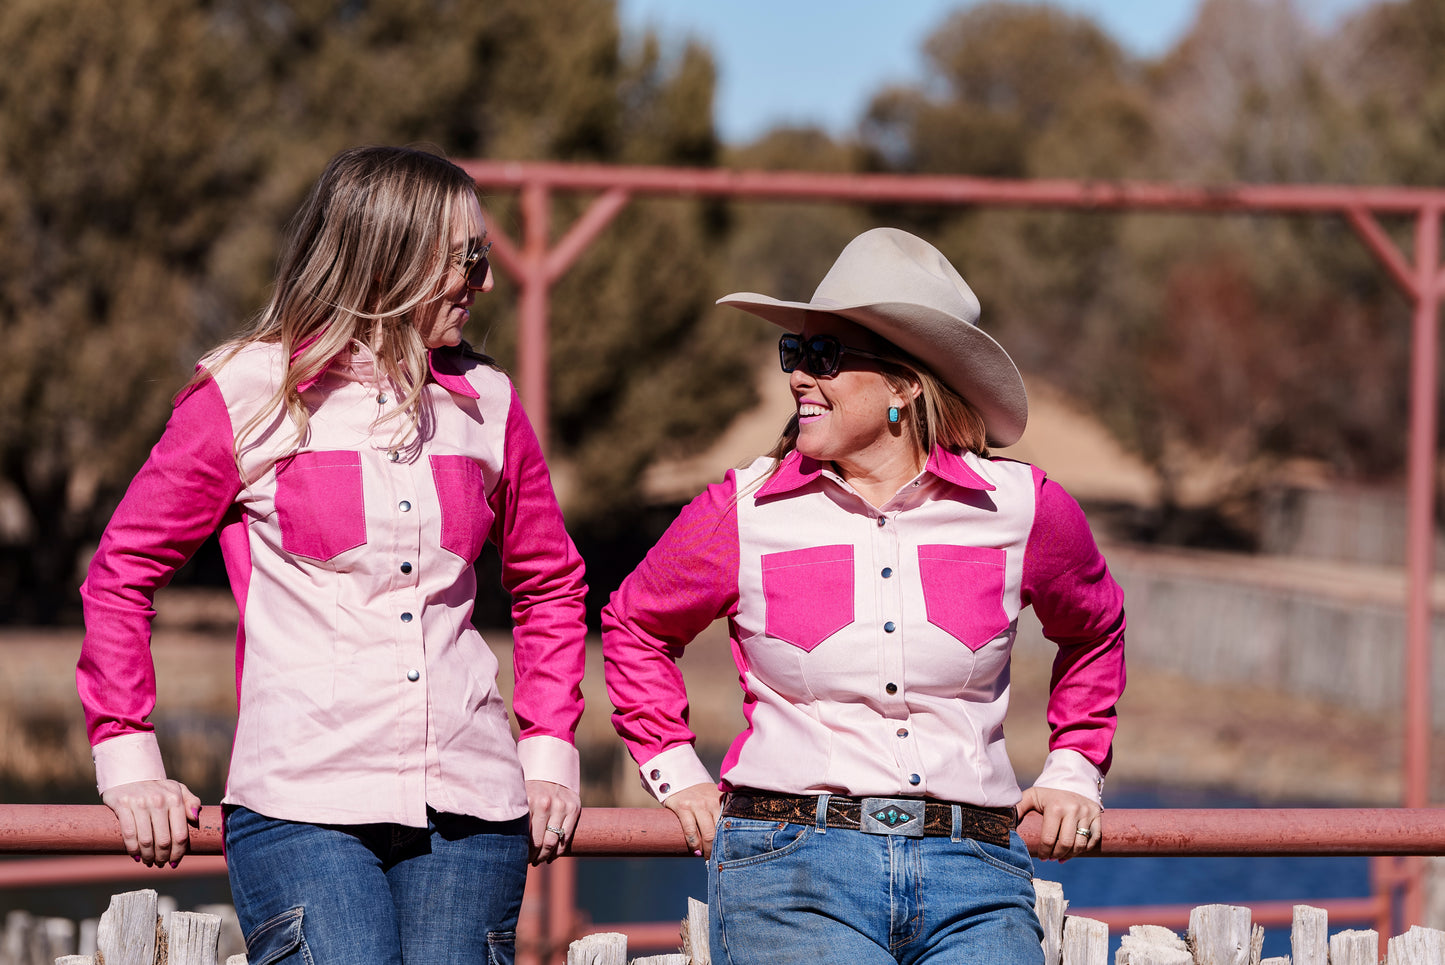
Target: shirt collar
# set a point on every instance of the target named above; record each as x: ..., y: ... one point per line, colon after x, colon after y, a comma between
x: 797, y: 470
x: 441, y: 374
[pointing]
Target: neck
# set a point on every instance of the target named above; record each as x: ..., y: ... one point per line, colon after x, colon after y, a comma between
x: 879, y: 479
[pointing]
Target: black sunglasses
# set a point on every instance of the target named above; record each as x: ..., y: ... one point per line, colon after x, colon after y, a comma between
x: 820, y: 355
x: 474, y: 266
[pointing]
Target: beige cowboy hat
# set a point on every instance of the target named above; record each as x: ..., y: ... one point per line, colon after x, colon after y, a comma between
x: 902, y: 288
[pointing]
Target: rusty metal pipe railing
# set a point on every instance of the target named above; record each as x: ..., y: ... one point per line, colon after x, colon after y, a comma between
x: 646, y: 832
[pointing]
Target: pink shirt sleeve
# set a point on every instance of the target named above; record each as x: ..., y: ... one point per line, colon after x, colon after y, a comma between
x: 178, y: 498
x: 687, y: 580
x: 1081, y: 609
x: 544, y: 574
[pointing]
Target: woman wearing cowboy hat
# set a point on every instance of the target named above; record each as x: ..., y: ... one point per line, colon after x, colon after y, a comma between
x: 872, y: 569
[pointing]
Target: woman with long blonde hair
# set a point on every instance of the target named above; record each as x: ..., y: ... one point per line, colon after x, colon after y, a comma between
x: 355, y: 455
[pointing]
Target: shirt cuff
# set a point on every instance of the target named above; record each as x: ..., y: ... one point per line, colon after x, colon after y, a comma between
x: 550, y: 759
x: 126, y: 759
x: 672, y: 770
x: 1068, y: 770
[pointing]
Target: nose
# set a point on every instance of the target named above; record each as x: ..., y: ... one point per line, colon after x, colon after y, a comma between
x: 487, y: 281
x: 800, y: 378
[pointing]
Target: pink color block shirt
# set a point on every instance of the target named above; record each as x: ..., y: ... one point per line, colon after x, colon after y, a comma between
x: 364, y: 693
x: 872, y: 644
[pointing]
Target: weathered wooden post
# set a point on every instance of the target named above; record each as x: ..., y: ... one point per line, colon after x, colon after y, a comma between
x: 1152, y: 945
x: 1221, y: 935
x: 191, y: 938
x: 1086, y: 942
x: 695, y: 934
x: 1309, y: 936
x: 127, y: 932
x: 1050, y: 905
x: 1418, y: 946
x: 1355, y: 948
x: 604, y: 948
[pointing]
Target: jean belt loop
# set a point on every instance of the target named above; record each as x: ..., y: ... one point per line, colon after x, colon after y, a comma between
x: 957, y: 823
x: 820, y: 818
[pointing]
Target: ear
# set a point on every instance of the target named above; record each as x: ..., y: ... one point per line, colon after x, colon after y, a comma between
x: 910, y: 394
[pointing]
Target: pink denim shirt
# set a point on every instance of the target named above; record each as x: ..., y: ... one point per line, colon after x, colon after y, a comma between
x: 364, y: 693
x: 872, y: 644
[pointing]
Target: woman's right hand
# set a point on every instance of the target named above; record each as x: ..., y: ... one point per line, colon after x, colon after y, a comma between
x: 698, y: 809
x: 155, y: 819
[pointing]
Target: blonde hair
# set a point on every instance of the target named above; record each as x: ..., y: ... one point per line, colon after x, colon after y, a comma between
x: 939, y: 417
x: 368, y: 248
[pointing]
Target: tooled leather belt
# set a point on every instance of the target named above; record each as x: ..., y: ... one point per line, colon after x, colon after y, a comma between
x: 912, y: 817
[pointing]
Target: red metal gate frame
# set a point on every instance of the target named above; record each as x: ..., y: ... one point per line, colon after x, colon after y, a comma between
x: 536, y: 267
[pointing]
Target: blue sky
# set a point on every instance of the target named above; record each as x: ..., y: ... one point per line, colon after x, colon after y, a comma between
x: 818, y: 61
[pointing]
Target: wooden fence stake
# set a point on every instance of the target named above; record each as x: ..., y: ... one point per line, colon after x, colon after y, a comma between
x: 1086, y: 942
x: 127, y: 932
x: 1050, y: 905
x: 236, y: 960
x: 1418, y: 946
x: 673, y: 959
x: 1309, y: 936
x: 75, y: 960
x: 1221, y: 935
x: 695, y: 934
x: 605, y: 948
x: 231, y: 942
x: 1355, y: 948
x: 1152, y: 945
x: 192, y: 937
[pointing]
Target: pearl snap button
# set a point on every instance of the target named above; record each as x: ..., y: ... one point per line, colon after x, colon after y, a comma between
x: 889, y: 627
x: 394, y: 456
x: 413, y: 675
x: 903, y: 732
x: 664, y: 788
x: 381, y: 398
x: 882, y: 521
x: 887, y: 572
x: 404, y: 505
x: 891, y: 688
x: 655, y: 774
x: 914, y: 779
x: 406, y: 618
x: 406, y: 567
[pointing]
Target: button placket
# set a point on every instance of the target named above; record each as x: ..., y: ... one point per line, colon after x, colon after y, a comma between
x: 405, y: 518
x: 888, y: 591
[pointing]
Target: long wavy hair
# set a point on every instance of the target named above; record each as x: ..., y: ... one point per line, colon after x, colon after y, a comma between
x: 367, y: 251
x: 938, y: 418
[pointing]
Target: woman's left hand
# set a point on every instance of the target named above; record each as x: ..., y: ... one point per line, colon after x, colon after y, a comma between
x: 1066, y: 816
x: 554, y: 809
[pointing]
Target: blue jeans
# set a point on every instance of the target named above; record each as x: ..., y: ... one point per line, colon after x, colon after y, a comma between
x: 377, y: 894
x: 781, y: 893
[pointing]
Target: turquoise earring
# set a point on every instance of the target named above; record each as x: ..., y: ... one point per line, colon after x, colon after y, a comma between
x: 893, y: 415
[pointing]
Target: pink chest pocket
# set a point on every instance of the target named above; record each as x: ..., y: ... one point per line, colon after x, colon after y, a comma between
x: 963, y: 591
x: 808, y: 593
x: 462, y: 494
x: 319, y: 504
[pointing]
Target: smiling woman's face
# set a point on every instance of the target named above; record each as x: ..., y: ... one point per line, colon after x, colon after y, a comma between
x: 441, y: 321
x: 844, y: 418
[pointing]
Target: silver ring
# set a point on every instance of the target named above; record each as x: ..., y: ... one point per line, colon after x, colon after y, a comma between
x: 1084, y: 831
x: 559, y: 832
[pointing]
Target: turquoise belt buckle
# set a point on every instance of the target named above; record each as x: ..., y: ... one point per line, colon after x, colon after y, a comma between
x: 892, y: 815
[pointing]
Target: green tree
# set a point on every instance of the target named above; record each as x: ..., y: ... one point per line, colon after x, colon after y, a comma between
x: 150, y: 151
x: 1241, y: 340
